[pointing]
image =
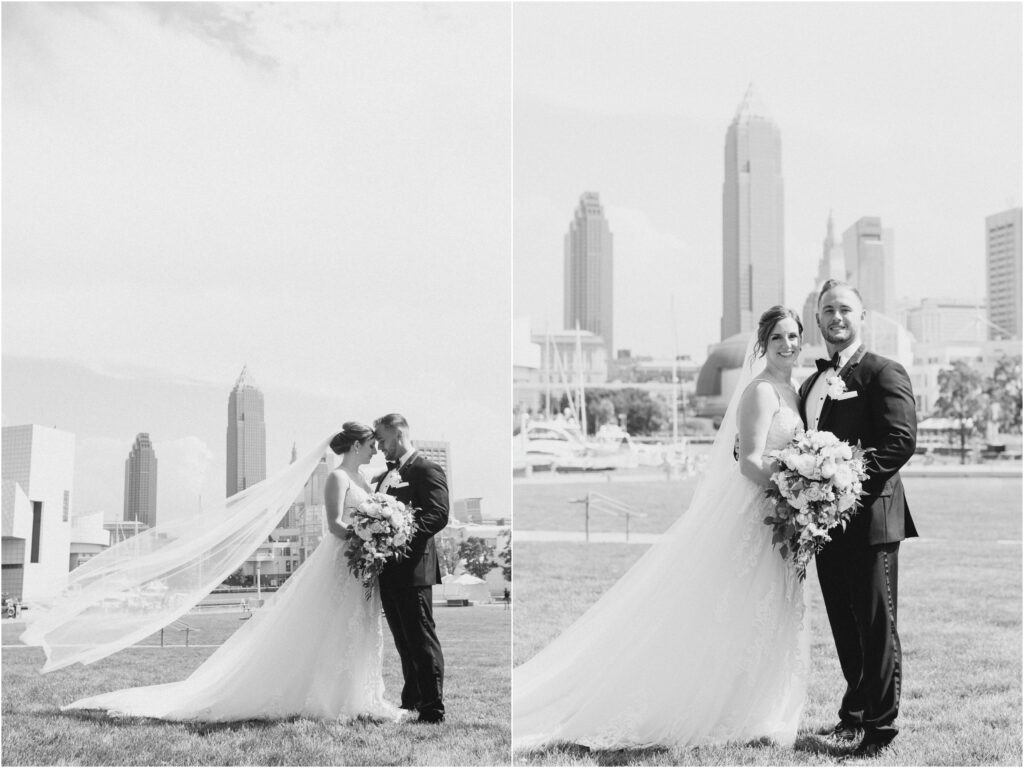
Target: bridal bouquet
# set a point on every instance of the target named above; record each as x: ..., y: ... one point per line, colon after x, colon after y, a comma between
x: 382, y: 528
x: 816, y: 488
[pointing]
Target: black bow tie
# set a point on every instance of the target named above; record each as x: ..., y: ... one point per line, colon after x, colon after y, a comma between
x: 824, y: 365
x: 392, y: 465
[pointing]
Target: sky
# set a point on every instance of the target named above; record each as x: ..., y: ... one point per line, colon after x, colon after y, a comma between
x: 319, y: 192
x: 906, y: 111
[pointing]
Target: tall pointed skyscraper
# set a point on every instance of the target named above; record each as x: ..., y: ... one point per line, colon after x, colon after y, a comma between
x: 753, y: 273
x: 247, y: 435
x: 832, y: 265
x: 140, y: 482
x: 588, y: 271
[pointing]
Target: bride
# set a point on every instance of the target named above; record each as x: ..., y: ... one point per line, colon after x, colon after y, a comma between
x: 313, y: 650
x: 703, y: 640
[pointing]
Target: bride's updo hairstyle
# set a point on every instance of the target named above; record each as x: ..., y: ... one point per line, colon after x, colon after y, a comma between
x: 351, y: 432
x: 767, y: 322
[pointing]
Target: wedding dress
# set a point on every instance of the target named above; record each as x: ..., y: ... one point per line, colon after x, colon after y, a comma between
x: 702, y: 641
x: 314, y: 650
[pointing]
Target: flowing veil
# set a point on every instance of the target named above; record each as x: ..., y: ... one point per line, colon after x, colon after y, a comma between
x: 681, y: 649
x: 140, y: 585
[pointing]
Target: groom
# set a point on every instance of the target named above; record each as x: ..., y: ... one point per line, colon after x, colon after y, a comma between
x: 406, y: 584
x: 863, y: 398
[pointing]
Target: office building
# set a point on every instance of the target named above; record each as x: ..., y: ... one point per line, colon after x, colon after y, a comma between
x: 1003, y: 273
x: 140, y: 482
x: 868, y: 250
x: 438, y: 451
x: 588, y: 271
x: 247, y: 436
x: 753, y: 272
x: 941, y: 320
x: 831, y: 266
x: 38, y: 485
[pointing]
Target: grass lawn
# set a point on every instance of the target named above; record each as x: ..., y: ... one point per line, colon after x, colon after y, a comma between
x: 540, y: 506
x: 959, y: 618
x: 476, y: 643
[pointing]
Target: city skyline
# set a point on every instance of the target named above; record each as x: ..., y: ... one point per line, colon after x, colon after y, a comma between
x: 906, y: 111
x: 318, y: 191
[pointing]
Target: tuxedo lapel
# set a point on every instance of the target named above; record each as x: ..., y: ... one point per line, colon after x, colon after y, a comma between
x: 805, y: 390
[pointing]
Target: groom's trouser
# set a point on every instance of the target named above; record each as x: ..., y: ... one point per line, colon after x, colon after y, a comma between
x: 410, y: 617
x: 859, y: 586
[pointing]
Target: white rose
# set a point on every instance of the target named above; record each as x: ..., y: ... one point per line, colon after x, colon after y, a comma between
x: 843, y: 476
x: 397, y: 518
x: 828, y: 468
x: 400, y: 539
x: 813, y: 493
x: 363, y: 534
x: 806, y: 465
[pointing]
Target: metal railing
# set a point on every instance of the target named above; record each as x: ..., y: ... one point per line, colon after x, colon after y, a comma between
x: 180, y: 626
x: 598, y: 502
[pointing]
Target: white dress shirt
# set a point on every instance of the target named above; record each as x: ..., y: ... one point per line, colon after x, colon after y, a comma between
x: 819, y: 390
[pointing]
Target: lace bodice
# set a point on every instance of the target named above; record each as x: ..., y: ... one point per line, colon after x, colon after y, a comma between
x: 355, y: 496
x: 785, y: 422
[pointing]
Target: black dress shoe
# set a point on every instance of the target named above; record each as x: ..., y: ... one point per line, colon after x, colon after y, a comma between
x: 871, y: 745
x: 431, y: 717
x: 841, y: 731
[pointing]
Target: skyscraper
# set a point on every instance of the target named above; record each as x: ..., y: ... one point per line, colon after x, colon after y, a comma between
x: 868, y: 249
x: 247, y: 436
x: 832, y: 265
x: 140, y: 482
x: 1003, y: 273
x: 753, y: 272
x: 588, y: 270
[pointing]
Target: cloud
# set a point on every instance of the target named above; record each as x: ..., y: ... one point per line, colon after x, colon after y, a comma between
x: 228, y: 26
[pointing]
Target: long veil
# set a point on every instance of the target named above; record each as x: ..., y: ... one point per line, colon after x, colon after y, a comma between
x: 597, y: 682
x: 131, y: 590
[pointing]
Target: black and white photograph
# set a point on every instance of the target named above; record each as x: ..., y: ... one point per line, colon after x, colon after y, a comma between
x: 767, y: 368
x: 256, y: 338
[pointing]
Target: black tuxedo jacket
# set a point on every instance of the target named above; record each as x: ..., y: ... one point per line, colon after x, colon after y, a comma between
x: 883, y: 416
x: 426, y: 490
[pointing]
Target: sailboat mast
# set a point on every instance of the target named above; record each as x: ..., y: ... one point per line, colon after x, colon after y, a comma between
x: 581, y: 400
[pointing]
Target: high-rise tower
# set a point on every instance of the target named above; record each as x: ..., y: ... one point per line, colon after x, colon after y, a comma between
x: 832, y: 265
x: 753, y: 274
x: 588, y: 270
x: 1003, y: 273
x: 140, y: 482
x: 247, y: 435
x: 870, y: 267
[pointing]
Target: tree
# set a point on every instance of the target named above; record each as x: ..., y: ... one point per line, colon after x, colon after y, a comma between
x: 505, y: 555
x: 477, y: 556
x: 448, y: 554
x: 1004, y: 393
x: 236, y: 579
x: 644, y: 414
x: 962, y: 398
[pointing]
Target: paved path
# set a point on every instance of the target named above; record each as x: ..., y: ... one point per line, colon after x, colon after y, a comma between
x: 619, y: 537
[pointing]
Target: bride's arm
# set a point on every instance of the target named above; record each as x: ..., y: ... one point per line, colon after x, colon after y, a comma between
x: 756, y: 410
x: 335, y: 490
